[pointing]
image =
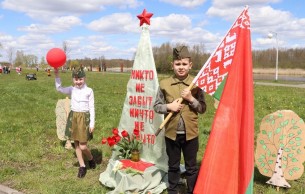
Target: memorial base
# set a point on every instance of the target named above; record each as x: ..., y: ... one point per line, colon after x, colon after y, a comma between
x: 151, y: 180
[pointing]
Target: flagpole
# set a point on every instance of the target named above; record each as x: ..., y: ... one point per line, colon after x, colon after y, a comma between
x: 195, y: 79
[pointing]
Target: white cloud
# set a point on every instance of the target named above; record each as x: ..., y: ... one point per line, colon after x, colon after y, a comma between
x: 229, y: 4
x: 45, y: 9
x: 185, y: 3
x: 93, y: 47
x: 269, y: 17
x: 287, y: 27
x: 58, y: 24
x: 115, y: 23
x: 263, y: 19
x: 5, y: 38
x: 40, y: 41
x: 178, y: 29
x: 172, y: 23
x: 265, y: 41
x: 38, y: 44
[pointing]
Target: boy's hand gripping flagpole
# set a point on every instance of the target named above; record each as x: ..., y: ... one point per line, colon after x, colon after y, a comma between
x: 210, y: 83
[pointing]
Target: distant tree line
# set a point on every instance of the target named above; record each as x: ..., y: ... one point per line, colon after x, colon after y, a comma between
x: 163, y: 56
x: 288, y: 58
x: 99, y: 62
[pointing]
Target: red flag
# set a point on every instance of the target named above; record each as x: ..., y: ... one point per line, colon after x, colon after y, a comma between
x: 228, y: 163
x: 218, y: 65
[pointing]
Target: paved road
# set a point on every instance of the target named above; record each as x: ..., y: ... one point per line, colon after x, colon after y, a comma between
x: 283, y: 85
x: 7, y: 190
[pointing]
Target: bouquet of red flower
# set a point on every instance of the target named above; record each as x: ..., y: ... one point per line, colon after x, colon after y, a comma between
x: 123, y: 142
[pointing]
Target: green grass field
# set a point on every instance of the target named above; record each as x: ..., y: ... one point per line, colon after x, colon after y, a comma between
x: 33, y: 159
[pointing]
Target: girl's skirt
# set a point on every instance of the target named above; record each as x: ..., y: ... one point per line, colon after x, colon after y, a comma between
x: 77, y: 128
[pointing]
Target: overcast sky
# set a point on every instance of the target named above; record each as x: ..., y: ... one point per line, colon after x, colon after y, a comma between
x: 110, y: 28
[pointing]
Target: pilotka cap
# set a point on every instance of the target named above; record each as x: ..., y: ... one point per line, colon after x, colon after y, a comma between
x: 78, y: 73
x: 181, y: 52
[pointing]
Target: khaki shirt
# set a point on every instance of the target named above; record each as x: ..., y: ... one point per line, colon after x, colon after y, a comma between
x: 186, y: 120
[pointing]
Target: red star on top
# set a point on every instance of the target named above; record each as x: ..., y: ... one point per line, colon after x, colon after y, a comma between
x: 144, y: 17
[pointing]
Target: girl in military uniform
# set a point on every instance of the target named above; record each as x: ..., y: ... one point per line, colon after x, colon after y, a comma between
x: 81, y: 119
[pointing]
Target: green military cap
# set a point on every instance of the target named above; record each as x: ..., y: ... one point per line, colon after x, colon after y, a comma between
x: 78, y: 73
x: 181, y: 52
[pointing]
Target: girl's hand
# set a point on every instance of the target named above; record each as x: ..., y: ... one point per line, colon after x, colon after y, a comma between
x: 91, y: 130
x: 56, y: 72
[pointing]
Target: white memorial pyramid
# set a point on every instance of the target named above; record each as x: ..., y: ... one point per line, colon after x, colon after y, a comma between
x: 138, y: 113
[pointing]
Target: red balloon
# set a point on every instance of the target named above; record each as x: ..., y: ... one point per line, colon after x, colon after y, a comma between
x: 56, y: 57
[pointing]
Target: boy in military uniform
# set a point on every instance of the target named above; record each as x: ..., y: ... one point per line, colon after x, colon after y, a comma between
x: 181, y: 131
